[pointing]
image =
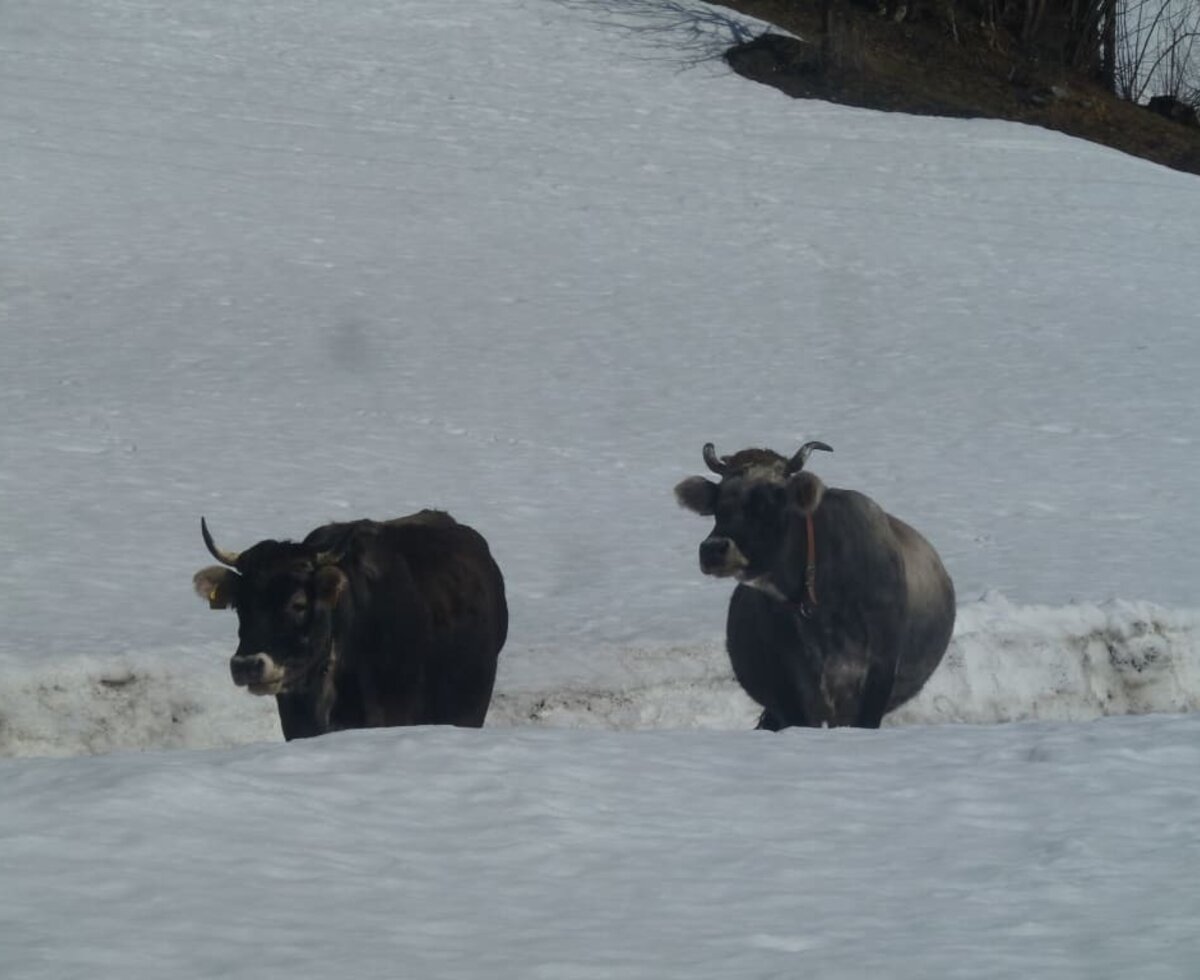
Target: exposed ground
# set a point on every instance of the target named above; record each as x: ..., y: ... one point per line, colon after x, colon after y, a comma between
x: 919, y: 66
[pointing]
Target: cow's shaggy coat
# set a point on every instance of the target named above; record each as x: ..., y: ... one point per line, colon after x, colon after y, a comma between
x: 366, y: 624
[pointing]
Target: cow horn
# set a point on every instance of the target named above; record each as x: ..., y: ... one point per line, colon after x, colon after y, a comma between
x: 796, y: 463
x: 715, y: 464
x: 229, y: 558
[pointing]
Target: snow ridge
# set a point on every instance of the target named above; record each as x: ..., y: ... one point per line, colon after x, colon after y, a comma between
x: 1006, y: 663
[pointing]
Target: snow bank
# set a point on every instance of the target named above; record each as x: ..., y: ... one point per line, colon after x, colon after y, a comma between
x: 1007, y: 663
x: 1064, y: 663
x: 89, y: 705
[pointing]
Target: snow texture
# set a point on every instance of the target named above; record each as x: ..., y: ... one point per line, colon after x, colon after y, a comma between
x: 284, y: 262
x: 297, y: 263
x: 1034, y: 850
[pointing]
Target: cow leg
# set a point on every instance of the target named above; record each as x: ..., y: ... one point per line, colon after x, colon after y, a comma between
x: 296, y: 716
x: 767, y: 722
x: 877, y: 688
x: 770, y: 721
x: 463, y: 690
x: 466, y: 707
x: 785, y: 707
x: 773, y: 660
x: 879, y: 636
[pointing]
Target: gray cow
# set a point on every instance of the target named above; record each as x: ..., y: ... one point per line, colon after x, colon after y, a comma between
x: 841, y: 613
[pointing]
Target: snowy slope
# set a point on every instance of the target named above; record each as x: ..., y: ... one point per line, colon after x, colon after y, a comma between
x: 284, y: 262
x: 293, y: 262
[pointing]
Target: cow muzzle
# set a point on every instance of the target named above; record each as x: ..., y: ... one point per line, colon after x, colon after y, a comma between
x: 721, y: 557
x: 257, y: 672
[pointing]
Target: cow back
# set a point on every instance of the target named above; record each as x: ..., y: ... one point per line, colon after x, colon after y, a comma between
x: 450, y: 566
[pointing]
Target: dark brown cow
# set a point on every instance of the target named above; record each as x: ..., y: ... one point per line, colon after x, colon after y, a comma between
x: 365, y: 624
x: 842, y: 612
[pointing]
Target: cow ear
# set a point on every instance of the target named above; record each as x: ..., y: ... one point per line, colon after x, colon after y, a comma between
x: 328, y: 585
x: 698, y: 495
x: 216, y: 585
x: 804, y: 492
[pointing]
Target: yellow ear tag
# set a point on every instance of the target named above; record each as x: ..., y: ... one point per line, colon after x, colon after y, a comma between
x: 212, y: 596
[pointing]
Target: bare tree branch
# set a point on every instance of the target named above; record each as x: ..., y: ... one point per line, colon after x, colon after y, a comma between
x: 697, y: 30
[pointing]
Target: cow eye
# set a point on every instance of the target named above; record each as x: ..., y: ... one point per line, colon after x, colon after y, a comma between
x: 298, y: 608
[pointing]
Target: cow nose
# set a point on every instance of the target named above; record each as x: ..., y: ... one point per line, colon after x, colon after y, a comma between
x: 713, y: 552
x: 246, y: 669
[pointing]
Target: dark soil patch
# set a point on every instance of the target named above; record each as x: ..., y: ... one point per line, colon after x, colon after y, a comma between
x: 929, y: 67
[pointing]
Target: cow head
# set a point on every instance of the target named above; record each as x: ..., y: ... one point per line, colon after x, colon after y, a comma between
x: 758, y: 492
x: 285, y: 596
